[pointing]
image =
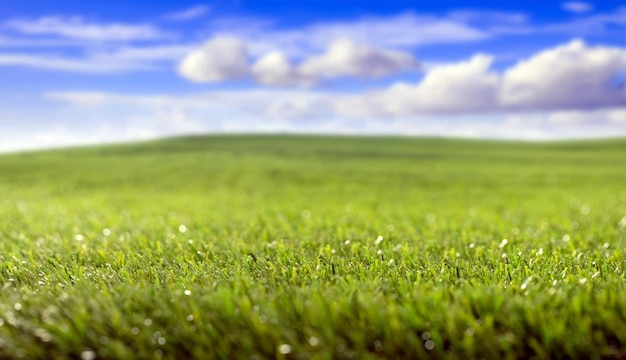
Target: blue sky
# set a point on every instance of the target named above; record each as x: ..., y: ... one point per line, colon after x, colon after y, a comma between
x: 106, y: 71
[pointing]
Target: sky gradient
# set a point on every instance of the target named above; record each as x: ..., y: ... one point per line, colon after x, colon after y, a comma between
x: 106, y: 71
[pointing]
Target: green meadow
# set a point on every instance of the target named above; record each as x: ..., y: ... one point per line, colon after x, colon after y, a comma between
x: 311, y: 247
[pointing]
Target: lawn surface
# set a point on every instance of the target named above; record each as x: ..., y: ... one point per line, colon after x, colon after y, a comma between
x: 314, y: 247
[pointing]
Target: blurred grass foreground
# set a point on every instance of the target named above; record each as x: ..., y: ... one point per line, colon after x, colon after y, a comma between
x: 311, y: 247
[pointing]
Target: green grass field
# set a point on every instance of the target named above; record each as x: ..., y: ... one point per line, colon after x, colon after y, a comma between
x: 314, y: 247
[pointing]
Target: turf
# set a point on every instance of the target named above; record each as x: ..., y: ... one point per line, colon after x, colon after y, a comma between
x: 314, y: 247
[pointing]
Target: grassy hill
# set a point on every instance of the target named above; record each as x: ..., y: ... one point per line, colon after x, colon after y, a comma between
x: 314, y: 247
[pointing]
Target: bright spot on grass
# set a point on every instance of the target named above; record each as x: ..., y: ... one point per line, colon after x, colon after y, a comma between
x: 147, y: 322
x: 106, y: 231
x: 306, y: 214
x: 347, y: 242
x: 134, y: 331
x: 472, y: 245
x: 43, y: 335
x: 17, y: 306
x: 504, y: 256
x: 540, y: 251
x: 566, y: 238
x: 190, y: 318
x: 429, y: 345
x: 585, y: 209
x: 379, y: 252
x: 182, y: 229
x: 431, y: 218
x: 88, y: 355
x: 162, y: 340
x: 425, y: 335
x: 188, y: 292
x: 552, y: 291
x: 582, y: 281
x: 503, y: 243
x: 79, y: 237
x: 606, y: 245
x: 284, y: 349
x: 622, y: 223
x: 314, y: 341
x: 378, y: 240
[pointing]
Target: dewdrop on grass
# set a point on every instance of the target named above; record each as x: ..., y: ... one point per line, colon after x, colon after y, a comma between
x: 378, y: 240
x: 284, y: 349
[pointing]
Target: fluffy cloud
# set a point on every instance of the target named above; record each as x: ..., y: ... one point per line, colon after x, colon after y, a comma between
x: 274, y: 69
x: 347, y: 58
x: 226, y: 58
x: 571, y: 80
x: 569, y: 76
x: 465, y: 87
x: 219, y: 59
x: 77, y: 28
x: 573, y: 76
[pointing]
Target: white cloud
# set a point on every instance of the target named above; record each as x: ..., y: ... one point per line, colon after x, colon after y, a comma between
x: 345, y: 57
x: 455, y: 88
x: 571, y: 76
x: 188, y: 14
x: 221, y: 58
x: 119, y: 60
x: 274, y: 69
x: 76, y: 27
x: 84, y: 65
x: 464, y: 87
x: 577, y: 6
